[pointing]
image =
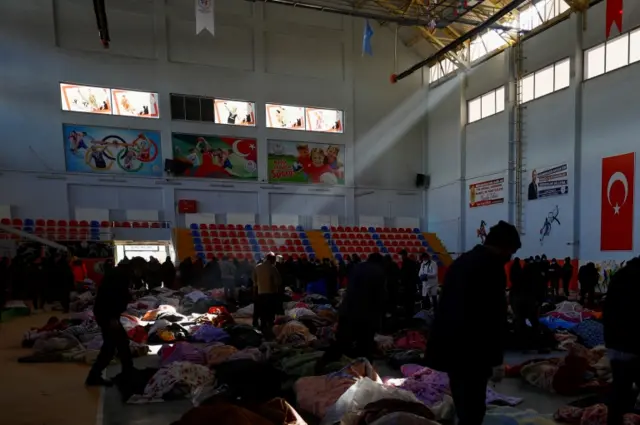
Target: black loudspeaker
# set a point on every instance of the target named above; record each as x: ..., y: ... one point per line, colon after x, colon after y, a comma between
x: 175, y: 167
x: 422, y: 181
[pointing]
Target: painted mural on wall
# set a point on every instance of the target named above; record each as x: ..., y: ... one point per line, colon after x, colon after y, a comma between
x: 485, y: 193
x: 549, y: 221
x: 481, y: 232
x: 108, y: 150
x: 216, y: 156
x: 301, y: 162
x: 549, y: 181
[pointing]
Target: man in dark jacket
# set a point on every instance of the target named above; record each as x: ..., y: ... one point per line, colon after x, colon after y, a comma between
x: 567, y: 275
x: 361, y: 312
x: 621, y: 323
x: 588, y: 276
x: 409, y: 281
x: 111, y: 301
x: 472, y: 313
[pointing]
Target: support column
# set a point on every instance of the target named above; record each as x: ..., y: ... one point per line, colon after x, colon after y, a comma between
x: 464, y: 206
x: 511, y: 105
x: 576, y: 84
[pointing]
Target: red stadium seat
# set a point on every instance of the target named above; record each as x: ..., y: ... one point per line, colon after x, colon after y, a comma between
x: 277, y: 235
x: 210, y: 256
x: 62, y: 223
x: 208, y: 248
x: 50, y: 223
x: 144, y: 224
x: 74, y: 223
x: 213, y: 226
x: 348, y: 229
x: 203, y: 226
x: 261, y: 242
x: 239, y: 227
x: 257, y: 227
x: 6, y: 221
x: 40, y: 222
x: 223, y: 234
x: 217, y: 248
x: 259, y: 235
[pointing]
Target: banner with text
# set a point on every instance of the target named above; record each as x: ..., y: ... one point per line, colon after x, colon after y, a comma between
x: 216, y: 156
x: 302, y: 162
x: 488, y: 192
x: 549, y: 181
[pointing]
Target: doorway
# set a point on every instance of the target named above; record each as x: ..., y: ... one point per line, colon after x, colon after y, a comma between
x: 160, y: 250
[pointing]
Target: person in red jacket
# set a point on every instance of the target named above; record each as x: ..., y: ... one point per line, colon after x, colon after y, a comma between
x: 78, y: 269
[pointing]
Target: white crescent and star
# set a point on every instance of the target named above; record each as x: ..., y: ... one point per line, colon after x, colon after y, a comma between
x: 237, y: 151
x: 615, y: 177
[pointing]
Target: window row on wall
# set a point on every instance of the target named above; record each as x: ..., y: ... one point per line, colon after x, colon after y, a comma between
x: 529, y: 17
x: 532, y: 86
x: 613, y: 54
x: 109, y: 150
x: 110, y: 101
x: 235, y: 112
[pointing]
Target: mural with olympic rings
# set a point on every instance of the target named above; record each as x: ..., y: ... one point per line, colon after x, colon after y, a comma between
x: 90, y: 149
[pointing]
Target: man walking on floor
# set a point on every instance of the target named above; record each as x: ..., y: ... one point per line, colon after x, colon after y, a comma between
x: 467, y: 337
x: 111, y: 301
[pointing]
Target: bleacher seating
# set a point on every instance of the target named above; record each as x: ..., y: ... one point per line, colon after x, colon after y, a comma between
x: 346, y: 241
x: 72, y: 230
x: 253, y: 241
x: 250, y: 242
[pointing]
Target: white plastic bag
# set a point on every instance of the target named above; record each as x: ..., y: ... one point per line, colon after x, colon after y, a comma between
x: 360, y: 394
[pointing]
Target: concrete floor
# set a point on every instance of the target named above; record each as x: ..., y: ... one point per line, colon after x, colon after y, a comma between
x: 117, y: 413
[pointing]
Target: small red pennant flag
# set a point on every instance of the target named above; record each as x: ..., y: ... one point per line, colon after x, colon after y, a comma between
x: 614, y: 15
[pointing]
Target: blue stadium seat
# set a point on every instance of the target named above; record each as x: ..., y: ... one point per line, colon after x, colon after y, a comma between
x: 195, y: 233
x: 425, y: 243
x: 95, y: 223
x: 28, y: 229
x: 327, y: 236
x: 255, y: 248
x: 384, y: 250
x: 300, y: 228
x: 339, y: 257
x: 308, y: 249
x: 257, y: 257
x: 193, y: 226
x: 335, y: 249
x: 29, y: 222
x: 248, y: 227
x: 376, y: 236
x: 199, y: 248
x: 324, y: 228
x: 379, y: 243
x: 303, y: 235
x: 420, y: 237
x: 305, y: 242
x: 201, y: 255
x: 416, y: 230
x: 197, y: 241
x: 253, y: 241
x: 372, y: 229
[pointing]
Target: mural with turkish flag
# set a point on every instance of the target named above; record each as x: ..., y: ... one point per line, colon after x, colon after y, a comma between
x: 616, y: 206
x: 217, y: 157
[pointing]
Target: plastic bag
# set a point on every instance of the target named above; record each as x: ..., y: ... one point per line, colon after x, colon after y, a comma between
x: 363, y: 392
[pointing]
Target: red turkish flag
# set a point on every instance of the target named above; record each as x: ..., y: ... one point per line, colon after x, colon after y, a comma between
x: 616, y: 205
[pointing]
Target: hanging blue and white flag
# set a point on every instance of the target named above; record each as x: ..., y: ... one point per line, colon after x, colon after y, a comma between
x: 366, y: 39
x: 204, y: 16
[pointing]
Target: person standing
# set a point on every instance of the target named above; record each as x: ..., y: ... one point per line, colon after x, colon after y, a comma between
x: 567, y: 275
x: 473, y: 313
x: 555, y: 273
x: 266, y: 288
x: 621, y: 323
x: 228, y: 274
x: 111, y: 301
x: 525, y: 298
x: 409, y: 280
x: 428, y: 275
x: 360, y: 314
x: 168, y: 273
x: 588, y: 276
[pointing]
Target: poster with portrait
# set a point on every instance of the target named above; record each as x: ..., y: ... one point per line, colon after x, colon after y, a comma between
x: 217, y: 157
x: 234, y: 112
x: 302, y: 162
x: 93, y: 100
x: 135, y: 103
x: 545, y: 182
x: 489, y: 192
x: 285, y: 116
x: 108, y: 150
x: 324, y: 120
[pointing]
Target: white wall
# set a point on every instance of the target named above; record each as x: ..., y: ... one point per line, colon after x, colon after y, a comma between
x: 263, y: 53
x: 578, y: 125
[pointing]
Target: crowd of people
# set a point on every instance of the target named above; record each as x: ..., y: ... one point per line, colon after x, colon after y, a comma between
x: 470, y: 304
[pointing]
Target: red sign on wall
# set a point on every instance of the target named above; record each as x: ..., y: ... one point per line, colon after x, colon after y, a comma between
x: 187, y: 206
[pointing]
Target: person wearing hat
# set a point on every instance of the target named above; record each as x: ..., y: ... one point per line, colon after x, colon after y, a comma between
x: 468, y: 334
x: 266, y: 289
